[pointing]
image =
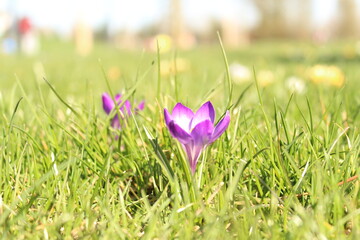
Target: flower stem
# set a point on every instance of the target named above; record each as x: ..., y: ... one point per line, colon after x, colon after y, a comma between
x: 204, y: 154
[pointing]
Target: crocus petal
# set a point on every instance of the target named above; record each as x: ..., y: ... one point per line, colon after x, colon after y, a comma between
x: 118, y: 98
x: 193, y: 152
x: 182, y: 116
x: 115, y: 123
x: 179, y: 133
x: 127, y: 105
x: 141, y: 106
x: 108, y: 103
x: 206, y: 111
x: 221, y: 127
x: 167, y: 117
x: 202, y: 132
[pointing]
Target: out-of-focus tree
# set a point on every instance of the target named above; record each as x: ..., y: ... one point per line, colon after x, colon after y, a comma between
x: 304, y: 18
x: 348, y: 26
x: 83, y: 37
x: 181, y: 36
x: 101, y: 33
x: 176, y: 23
x: 273, y: 19
x: 283, y: 18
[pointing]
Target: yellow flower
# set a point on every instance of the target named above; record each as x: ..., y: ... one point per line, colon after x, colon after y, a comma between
x: 113, y: 73
x: 265, y: 78
x: 317, y: 73
x: 164, y: 41
x: 336, y: 76
x: 174, y: 66
x: 323, y: 74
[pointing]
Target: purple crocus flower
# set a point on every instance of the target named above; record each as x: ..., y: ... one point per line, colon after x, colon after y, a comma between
x: 195, y: 131
x: 125, y: 110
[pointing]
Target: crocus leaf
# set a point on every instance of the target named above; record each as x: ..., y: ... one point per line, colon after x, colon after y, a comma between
x: 163, y: 161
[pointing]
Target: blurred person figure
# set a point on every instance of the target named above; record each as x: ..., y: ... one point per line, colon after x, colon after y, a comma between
x: 7, y: 36
x: 9, y: 45
x: 84, y: 38
x: 5, y: 23
x: 29, y: 43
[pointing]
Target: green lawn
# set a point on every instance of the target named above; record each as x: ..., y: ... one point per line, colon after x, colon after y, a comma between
x: 274, y: 174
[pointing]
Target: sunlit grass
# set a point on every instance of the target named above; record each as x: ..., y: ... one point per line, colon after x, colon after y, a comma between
x: 273, y: 174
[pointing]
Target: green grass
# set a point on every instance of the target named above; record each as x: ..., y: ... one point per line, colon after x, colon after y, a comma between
x: 274, y: 174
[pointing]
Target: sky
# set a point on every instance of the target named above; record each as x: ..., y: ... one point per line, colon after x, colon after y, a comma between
x: 134, y: 14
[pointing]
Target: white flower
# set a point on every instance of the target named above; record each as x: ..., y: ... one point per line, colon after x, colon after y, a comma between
x: 296, y: 85
x: 239, y: 73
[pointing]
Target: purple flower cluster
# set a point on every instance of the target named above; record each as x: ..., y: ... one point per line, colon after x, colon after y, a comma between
x: 125, y: 109
x: 195, y: 131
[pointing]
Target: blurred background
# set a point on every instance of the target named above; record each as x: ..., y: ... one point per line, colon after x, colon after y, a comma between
x: 184, y: 24
x: 301, y: 46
